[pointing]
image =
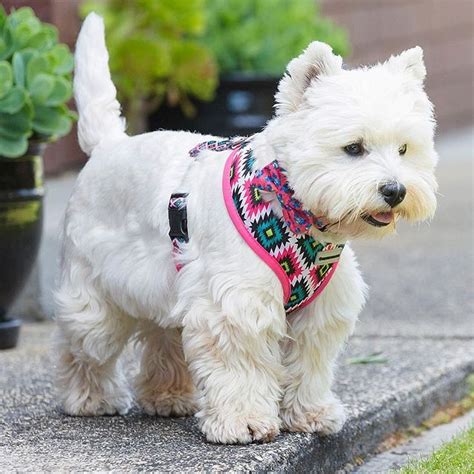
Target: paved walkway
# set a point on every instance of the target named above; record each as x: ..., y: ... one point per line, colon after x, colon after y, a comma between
x: 420, y: 315
x: 419, y: 375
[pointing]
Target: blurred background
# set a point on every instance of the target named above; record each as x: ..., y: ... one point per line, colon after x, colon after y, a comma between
x: 213, y: 66
x: 257, y: 38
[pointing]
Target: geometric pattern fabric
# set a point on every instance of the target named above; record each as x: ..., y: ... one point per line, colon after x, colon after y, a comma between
x: 307, y: 264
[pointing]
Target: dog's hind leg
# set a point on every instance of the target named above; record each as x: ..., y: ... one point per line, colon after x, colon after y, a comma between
x: 91, y: 333
x: 164, y: 386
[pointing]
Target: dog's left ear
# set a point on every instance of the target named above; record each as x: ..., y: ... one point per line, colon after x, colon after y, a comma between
x: 409, y: 62
x: 316, y: 60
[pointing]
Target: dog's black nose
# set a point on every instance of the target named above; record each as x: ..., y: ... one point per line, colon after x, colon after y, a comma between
x: 393, y: 193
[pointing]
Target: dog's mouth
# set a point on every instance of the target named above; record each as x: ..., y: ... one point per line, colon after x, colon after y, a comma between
x: 379, y: 219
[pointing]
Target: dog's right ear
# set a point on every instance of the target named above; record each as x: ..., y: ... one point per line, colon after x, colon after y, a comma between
x: 315, y: 61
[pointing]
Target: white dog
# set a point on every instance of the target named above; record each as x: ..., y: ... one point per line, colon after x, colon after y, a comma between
x: 220, y: 336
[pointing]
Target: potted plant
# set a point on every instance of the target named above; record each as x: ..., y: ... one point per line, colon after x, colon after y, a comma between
x: 155, y: 55
x: 164, y: 58
x: 252, y: 41
x: 35, y: 84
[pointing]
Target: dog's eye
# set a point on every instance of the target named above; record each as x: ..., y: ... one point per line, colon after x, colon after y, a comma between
x: 403, y: 149
x: 354, y: 149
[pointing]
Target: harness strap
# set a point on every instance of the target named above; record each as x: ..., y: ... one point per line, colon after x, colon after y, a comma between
x: 215, y: 145
x: 177, y: 210
x: 178, y: 219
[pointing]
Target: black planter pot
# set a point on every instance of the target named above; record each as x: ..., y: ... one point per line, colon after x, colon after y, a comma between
x: 242, y: 106
x: 21, y: 218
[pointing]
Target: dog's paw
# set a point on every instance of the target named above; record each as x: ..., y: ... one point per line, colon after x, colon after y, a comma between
x: 168, y: 404
x: 98, y: 405
x: 325, y: 419
x: 226, y: 429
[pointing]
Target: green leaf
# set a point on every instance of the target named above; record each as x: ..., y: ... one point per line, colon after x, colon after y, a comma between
x: 18, y: 69
x: 27, y: 54
x: 374, y: 358
x: 52, y: 33
x: 20, y: 15
x: 7, y: 45
x: 6, y: 78
x: 44, y: 39
x: 61, y: 59
x: 40, y: 41
x: 13, y: 147
x: 17, y: 124
x: 24, y: 31
x: 51, y: 121
x: 36, y: 65
x: 3, y: 16
x: 41, y: 88
x: 13, y: 101
x: 62, y: 92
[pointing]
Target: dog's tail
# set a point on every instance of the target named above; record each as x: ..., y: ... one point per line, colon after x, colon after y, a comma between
x: 94, y: 91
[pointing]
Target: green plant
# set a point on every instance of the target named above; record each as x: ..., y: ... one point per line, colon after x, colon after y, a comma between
x: 155, y: 54
x: 35, y: 82
x: 264, y: 35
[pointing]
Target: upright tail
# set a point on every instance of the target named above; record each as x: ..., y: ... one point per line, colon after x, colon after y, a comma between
x: 94, y: 91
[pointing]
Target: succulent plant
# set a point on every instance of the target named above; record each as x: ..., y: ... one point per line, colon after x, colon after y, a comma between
x: 35, y: 82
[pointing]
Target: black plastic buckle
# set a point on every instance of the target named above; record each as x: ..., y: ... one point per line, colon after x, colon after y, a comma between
x: 178, y: 217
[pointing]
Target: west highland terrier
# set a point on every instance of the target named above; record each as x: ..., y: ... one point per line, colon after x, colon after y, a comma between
x: 229, y: 259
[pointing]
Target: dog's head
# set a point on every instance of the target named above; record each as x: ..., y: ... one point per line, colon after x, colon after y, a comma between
x: 357, y: 144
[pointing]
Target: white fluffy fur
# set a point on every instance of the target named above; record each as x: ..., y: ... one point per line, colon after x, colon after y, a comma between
x: 252, y: 370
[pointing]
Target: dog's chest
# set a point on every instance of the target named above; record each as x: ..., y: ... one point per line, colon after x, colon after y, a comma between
x: 303, y: 265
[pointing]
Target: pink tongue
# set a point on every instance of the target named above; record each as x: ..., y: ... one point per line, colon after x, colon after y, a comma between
x: 385, y: 217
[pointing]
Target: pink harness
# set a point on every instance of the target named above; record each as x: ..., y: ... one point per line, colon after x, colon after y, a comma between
x: 303, y: 265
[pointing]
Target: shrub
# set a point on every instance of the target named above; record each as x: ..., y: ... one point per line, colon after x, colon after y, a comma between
x: 35, y: 82
x: 262, y: 36
x: 155, y: 54
x: 167, y: 49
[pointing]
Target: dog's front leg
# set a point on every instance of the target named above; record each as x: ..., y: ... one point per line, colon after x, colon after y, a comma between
x: 234, y: 357
x: 317, y: 335
x: 308, y: 404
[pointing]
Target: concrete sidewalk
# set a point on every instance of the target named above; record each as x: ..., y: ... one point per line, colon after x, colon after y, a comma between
x: 419, y: 375
x: 420, y: 315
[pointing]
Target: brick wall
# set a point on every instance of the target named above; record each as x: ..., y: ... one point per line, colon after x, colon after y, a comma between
x: 443, y: 28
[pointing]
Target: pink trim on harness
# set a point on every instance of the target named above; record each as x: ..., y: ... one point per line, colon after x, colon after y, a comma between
x: 243, y: 231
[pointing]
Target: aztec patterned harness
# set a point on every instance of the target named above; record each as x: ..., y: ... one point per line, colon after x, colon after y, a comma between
x: 303, y: 265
